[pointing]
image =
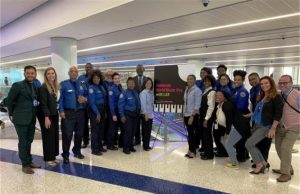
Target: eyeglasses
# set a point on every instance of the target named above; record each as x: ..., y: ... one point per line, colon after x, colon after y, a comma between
x: 283, y: 83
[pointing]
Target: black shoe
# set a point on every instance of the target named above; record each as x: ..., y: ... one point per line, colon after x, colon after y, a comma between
x: 147, y: 148
x: 120, y: 146
x: 207, y: 157
x: 103, y: 150
x: 201, y: 150
x: 202, y: 154
x: 79, y: 156
x: 126, y: 151
x: 112, y: 148
x: 137, y: 143
x: 98, y: 153
x: 220, y: 154
x: 241, y: 159
x: 84, y: 145
x: 32, y: 165
x: 132, y: 149
x: 66, y: 160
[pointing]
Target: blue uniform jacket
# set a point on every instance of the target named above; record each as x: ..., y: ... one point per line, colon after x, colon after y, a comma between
x: 113, y: 98
x: 226, y: 89
x: 130, y: 101
x: 69, y: 95
x: 83, y: 85
x: 254, y: 92
x: 200, y: 85
x: 37, y: 83
x: 96, y: 97
x: 240, y: 98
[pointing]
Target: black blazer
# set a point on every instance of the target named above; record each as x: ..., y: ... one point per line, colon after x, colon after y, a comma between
x: 272, y: 110
x: 228, y: 109
x: 48, y: 101
x: 137, y: 87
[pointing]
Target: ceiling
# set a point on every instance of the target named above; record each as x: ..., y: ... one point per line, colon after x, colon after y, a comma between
x: 141, y: 19
x: 13, y: 9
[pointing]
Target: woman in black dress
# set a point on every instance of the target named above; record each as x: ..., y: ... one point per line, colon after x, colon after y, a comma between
x: 49, y: 125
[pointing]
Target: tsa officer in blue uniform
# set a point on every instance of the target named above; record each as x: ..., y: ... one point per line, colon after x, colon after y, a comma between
x: 114, y: 118
x: 240, y: 99
x: 83, y: 93
x: 97, y: 99
x: 204, y: 72
x: 129, y: 110
x: 225, y: 84
x: 107, y: 83
x: 71, y: 109
x: 221, y: 69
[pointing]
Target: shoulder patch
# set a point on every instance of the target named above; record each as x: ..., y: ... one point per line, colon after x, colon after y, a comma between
x: 110, y: 93
x: 91, y: 90
x: 121, y: 95
x: 243, y: 94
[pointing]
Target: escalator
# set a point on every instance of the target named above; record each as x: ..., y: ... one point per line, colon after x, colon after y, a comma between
x: 174, y: 125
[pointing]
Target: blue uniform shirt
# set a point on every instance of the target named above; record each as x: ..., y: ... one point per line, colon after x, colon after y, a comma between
x: 226, y: 89
x: 96, y: 97
x: 130, y: 101
x: 219, y: 86
x: 113, y: 98
x: 83, y: 85
x: 107, y: 84
x: 254, y: 93
x: 200, y: 85
x: 240, y: 98
x: 69, y: 95
x: 37, y: 83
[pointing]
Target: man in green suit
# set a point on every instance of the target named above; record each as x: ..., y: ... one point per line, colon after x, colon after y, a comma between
x: 22, y: 103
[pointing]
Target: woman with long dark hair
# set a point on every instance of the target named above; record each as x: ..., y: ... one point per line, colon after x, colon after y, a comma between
x: 266, y: 117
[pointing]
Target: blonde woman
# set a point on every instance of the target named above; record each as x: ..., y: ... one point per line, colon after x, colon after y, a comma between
x: 49, y: 125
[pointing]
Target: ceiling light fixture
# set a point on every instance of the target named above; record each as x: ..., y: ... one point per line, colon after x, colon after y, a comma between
x: 191, y: 32
x: 197, y: 54
x: 252, y: 59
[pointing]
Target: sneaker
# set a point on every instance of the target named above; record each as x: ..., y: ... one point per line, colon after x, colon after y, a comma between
x: 51, y: 163
x: 229, y: 165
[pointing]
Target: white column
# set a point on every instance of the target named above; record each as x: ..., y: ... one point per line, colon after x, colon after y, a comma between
x: 193, y: 66
x: 63, y: 55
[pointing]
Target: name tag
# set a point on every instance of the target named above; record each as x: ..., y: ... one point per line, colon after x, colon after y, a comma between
x: 35, y: 103
x: 69, y: 90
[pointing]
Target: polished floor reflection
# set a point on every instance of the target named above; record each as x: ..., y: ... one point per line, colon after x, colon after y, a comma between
x: 162, y: 170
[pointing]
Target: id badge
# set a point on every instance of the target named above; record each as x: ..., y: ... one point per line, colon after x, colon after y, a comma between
x: 35, y: 103
x: 216, y: 126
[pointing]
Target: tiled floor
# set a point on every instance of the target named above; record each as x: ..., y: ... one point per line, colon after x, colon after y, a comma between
x: 162, y: 170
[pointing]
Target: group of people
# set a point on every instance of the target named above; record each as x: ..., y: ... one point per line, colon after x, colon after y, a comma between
x: 217, y: 110
x: 115, y: 114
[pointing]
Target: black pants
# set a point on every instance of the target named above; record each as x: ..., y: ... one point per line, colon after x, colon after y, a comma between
x: 199, y: 134
x: 50, y: 139
x: 192, y: 132
x: 218, y: 133
x: 73, y: 123
x: 146, y: 132
x: 86, y: 130
x: 242, y: 153
x: 25, y: 135
x: 97, y: 132
x: 207, y: 139
x: 137, y: 135
x: 113, y: 130
x: 129, y: 129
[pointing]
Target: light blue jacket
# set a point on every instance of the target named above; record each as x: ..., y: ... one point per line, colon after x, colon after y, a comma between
x: 147, y: 102
x: 192, y: 101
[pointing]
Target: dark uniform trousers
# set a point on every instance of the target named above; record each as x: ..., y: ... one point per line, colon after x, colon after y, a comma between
x: 25, y: 135
x: 50, y: 148
x: 207, y: 139
x: 97, y: 132
x: 218, y: 133
x: 113, y: 130
x: 86, y: 130
x: 192, y: 131
x: 74, y: 122
x: 129, y: 129
x: 146, y: 132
